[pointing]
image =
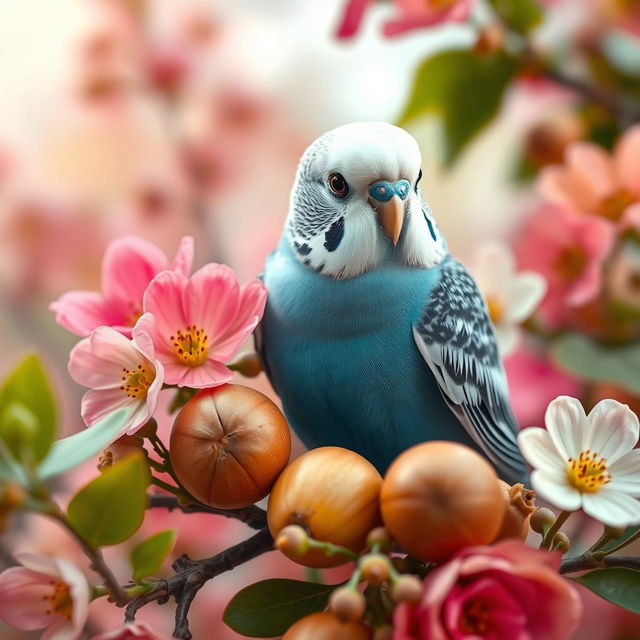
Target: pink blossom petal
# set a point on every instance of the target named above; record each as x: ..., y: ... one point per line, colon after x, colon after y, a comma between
x: 554, y: 489
x: 208, y: 374
x: 128, y: 266
x: 79, y: 590
x: 630, y: 218
x: 164, y: 298
x: 563, y: 187
x: 627, y: 159
x: 354, y: 11
x: 112, y: 347
x: 91, y: 371
x: 82, y: 311
x: 613, y: 429
x: 212, y: 299
x: 62, y: 629
x: 131, y: 631
x: 141, y: 335
x: 184, y: 257
x: 409, y: 21
x: 612, y: 507
x: 253, y: 298
x: 567, y: 424
x: 99, y: 403
x: 22, y: 593
x: 593, y: 167
x: 539, y: 450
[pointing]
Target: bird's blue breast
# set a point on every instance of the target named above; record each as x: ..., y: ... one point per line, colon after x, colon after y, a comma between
x: 341, y: 356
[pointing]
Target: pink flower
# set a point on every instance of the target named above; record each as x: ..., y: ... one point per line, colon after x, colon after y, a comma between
x: 568, y: 250
x: 128, y: 266
x: 136, y: 630
x: 595, y: 182
x: 503, y: 592
x: 412, y: 14
x: 45, y: 593
x: 120, y: 373
x: 200, y: 322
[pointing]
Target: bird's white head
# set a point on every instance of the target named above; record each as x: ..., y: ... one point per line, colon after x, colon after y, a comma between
x: 356, y: 202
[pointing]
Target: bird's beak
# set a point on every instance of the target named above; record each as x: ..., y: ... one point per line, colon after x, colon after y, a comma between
x: 391, y: 217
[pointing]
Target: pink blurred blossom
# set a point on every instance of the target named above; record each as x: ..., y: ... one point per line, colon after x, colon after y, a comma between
x: 120, y: 373
x: 505, y: 591
x: 45, y: 593
x: 593, y: 181
x: 411, y: 14
x: 568, y: 249
x: 128, y: 266
x: 136, y: 630
x: 200, y: 322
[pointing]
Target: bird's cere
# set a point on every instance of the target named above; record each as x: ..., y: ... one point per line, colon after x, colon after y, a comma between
x: 587, y: 462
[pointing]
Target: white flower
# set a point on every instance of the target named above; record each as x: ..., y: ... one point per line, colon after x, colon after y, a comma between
x: 511, y: 297
x: 587, y: 461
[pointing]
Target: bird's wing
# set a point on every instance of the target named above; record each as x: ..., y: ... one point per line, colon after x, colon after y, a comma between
x: 456, y: 339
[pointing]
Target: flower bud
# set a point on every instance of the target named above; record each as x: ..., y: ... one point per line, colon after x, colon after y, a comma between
x: 541, y: 519
x: 248, y: 364
x: 380, y: 537
x: 120, y: 449
x: 561, y: 542
x: 520, y: 503
x: 347, y: 604
x: 293, y: 540
x: 490, y: 39
x: 407, y: 589
x: 375, y: 568
x: 18, y: 428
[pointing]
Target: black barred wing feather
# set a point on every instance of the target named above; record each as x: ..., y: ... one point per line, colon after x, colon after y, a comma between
x: 456, y: 339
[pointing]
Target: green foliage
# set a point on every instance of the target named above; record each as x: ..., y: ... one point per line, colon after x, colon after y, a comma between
x: 74, y: 450
x: 268, y: 608
x: 147, y: 557
x: 27, y: 411
x: 111, y: 507
x: 519, y: 15
x: 594, y: 362
x: 464, y: 89
x: 618, y: 585
x: 629, y: 533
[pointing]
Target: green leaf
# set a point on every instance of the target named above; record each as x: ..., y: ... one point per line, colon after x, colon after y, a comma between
x: 594, y: 362
x: 464, y: 89
x: 74, y: 450
x: 268, y: 608
x: 629, y: 533
x: 147, y: 556
x: 618, y: 585
x: 111, y: 508
x: 28, y: 386
x: 519, y: 15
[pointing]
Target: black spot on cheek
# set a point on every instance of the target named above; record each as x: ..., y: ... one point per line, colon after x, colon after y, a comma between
x: 303, y: 249
x: 319, y: 268
x: 333, y: 237
x: 431, y: 230
x: 306, y: 262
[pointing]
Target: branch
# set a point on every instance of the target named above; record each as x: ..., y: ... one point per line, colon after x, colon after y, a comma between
x: 585, y: 562
x: 253, y: 516
x: 191, y: 575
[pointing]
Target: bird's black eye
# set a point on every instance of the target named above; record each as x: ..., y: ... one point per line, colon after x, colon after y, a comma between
x: 338, y: 185
x: 418, y: 180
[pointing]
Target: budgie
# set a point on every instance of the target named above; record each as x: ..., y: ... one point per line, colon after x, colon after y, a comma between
x: 374, y: 336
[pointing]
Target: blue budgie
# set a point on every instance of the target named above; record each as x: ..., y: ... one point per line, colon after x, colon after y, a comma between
x: 374, y: 337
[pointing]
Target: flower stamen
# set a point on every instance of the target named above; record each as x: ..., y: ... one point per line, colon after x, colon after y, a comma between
x: 136, y: 382
x: 61, y: 603
x: 191, y: 346
x: 476, y: 617
x: 589, y: 472
x: 495, y: 307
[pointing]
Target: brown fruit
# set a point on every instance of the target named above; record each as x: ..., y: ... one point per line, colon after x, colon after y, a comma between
x: 326, y: 626
x: 228, y: 446
x: 333, y: 494
x: 520, y: 504
x: 438, y: 497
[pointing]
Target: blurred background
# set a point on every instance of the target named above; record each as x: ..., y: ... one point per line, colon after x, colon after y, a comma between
x: 162, y: 119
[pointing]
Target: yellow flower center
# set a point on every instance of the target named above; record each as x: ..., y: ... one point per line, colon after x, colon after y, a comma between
x: 191, y: 345
x: 476, y: 617
x: 571, y: 261
x: 589, y: 472
x: 136, y: 382
x: 613, y: 206
x: 61, y: 603
x: 132, y: 317
x: 495, y: 308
